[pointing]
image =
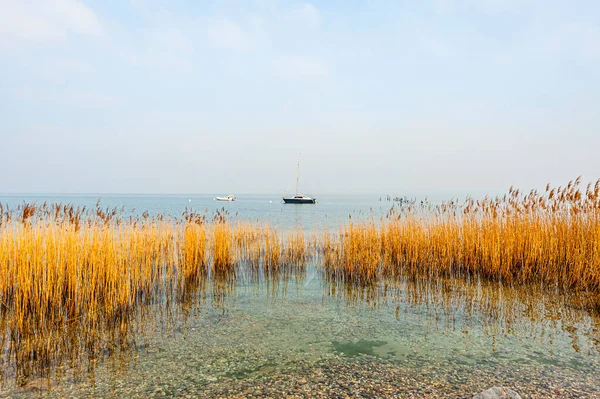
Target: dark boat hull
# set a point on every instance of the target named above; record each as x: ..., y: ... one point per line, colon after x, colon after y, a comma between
x: 299, y: 200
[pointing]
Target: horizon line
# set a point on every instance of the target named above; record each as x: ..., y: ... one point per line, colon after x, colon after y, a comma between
x: 374, y: 195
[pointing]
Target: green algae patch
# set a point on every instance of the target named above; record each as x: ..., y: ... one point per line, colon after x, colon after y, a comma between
x: 360, y: 347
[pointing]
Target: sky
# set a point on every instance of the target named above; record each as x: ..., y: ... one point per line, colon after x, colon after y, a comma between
x: 379, y: 96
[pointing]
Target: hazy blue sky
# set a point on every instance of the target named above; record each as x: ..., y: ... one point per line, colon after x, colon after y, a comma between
x: 403, y: 97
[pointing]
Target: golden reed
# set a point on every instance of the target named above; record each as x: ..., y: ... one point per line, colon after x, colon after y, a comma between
x: 67, y: 268
x: 552, y: 239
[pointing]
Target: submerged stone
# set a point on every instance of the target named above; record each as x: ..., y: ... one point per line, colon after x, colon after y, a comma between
x: 497, y: 393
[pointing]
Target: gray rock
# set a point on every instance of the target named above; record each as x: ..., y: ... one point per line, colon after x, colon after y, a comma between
x: 497, y: 393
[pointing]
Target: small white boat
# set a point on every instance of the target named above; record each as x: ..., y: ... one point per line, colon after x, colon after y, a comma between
x: 229, y: 197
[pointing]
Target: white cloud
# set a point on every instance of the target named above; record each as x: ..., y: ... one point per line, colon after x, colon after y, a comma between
x: 60, y: 70
x: 299, y: 66
x: 574, y: 39
x: 138, y: 4
x: 228, y: 34
x: 45, y: 21
x: 72, y: 65
x: 547, y: 29
x: 158, y: 61
x: 486, y: 6
x: 70, y: 98
x: 78, y: 17
x: 169, y: 38
x: 436, y: 45
x: 308, y: 14
x: 160, y: 48
x: 90, y: 99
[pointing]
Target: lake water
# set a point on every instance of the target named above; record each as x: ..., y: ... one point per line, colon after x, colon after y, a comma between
x: 296, y: 337
x: 304, y: 335
x: 329, y: 211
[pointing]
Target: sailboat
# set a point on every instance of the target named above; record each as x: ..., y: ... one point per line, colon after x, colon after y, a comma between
x: 299, y: 198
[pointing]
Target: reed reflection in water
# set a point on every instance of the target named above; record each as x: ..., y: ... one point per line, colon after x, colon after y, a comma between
x: 489, y: 308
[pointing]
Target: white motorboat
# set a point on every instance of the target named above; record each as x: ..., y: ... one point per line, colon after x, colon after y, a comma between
x: 229, y: 197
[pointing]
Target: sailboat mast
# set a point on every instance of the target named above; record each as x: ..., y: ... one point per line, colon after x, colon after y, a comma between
x: 298, y: 174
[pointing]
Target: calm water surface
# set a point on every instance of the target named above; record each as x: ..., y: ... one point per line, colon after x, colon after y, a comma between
x: 301, y: 335
x: 329, y: 211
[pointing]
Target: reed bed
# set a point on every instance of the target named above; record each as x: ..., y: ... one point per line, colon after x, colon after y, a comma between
x: 71, y: 278
x: 551, y: 239
x: 86, y: 271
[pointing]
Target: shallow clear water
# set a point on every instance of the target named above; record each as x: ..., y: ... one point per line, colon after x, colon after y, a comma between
x: 298, y: 337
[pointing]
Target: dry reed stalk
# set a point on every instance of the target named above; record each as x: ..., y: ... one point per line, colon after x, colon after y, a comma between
x: 223, y: 249
x: 296, y: 252
x: 272, y: 253
x: 194, y: 251
x: 361, y: 253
